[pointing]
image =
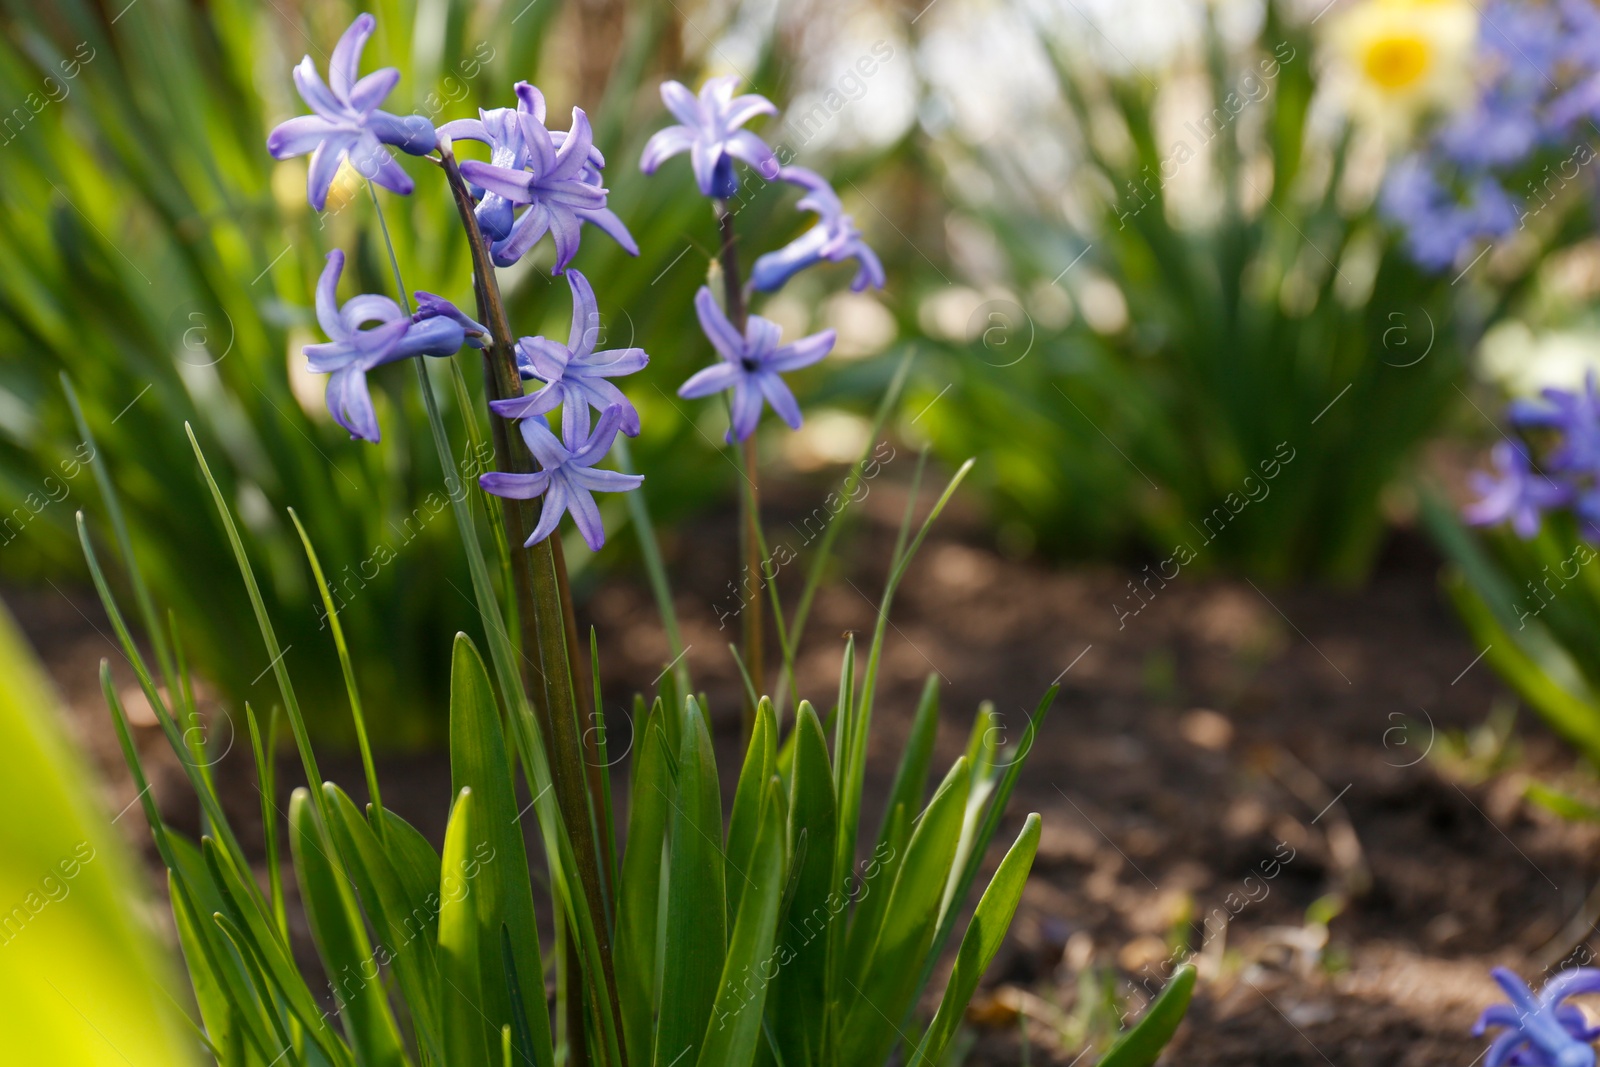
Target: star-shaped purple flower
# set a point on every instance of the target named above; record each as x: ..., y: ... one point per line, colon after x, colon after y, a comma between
x: 834, y: 238
x: 1575, y: 415
x: 750, y: 366
x: 353, y: 350
x: 509, y: 134
x: 1541, y: 1031
x: 567, y: 478
x: 346, y: 122
x: 710, y: 132
x: 1519, y: 495
x: 574, y: 374
x: 554, y: 176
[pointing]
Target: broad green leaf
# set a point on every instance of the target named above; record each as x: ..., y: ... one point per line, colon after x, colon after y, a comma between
x: 405, y: 932
x: 800, y: 993
x: 760, y: 763
x: 978, y: 946
x: 417, y: 864
x: 696, y: 934
x: 502, y: 892
x: 639, y: 900
x: 1141, y: 1046
x: 341, y: 939
x: 459, y: 948
x: 889, y: 982
x: 731, y: 1039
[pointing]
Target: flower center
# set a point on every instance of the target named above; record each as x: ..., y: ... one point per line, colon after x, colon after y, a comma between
x: 750, y: 365
x: 1397, y: 62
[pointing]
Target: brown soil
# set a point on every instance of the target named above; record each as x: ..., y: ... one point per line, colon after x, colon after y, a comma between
x: 1229, y: 749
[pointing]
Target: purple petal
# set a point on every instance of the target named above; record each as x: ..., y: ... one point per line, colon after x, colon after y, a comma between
x: 542, y: 402
x: 713, y: 379
x: 324, y: 165
x: 781, y: 398
x: 565, y: 229
x: 314, y: 93
x: 599, y: 480
x: 803, y: 352
x: 742, y: 144
x: 368, y: 307
x: 663, y: 145
x: 704, y: 158
x: 601, y: 394
x: 377, y: 164
x: 543, y: 444
x: 351, y: 405
x: 346, y: 59
x: 514, y: 185
x: 369, y: 92
x: 681, y: 102
x: 772, y: 270
x: 536, y: 139
x: 298, y: 136
x: 573, y: 155
x: 431, y: 337
x: 586, y: 517
x: 746, y: 410
x: 328, y: 299
x: 1570, y: 983
x: 464, y: 130
x: 718, y: 330
x: 621, y: 361
x: 530, y: 101
x: 412, y: 134
x: 555, y: 505
x: 514, y: 486
x: 524, y: 235
x: 741, y: 109
x: 871, y: 270
x: 599, y: 442
x: 585, y: 329
x: 575, y: 431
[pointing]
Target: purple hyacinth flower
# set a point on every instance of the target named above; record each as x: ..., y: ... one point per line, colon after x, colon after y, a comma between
x: 1438, y: 225
x: 1575, y: 416
x: 567, y: 478
x: 430, y: 306
x: 346, y: 122
x: 834, y: 238
x: 1540, y: 1031
x: 1519, y: 495
x: 554, y: 176
x: 353, y: 350
x: 750, y: 366
x: 508, y: 135
x: 710, y: 132
x: 574, y: 374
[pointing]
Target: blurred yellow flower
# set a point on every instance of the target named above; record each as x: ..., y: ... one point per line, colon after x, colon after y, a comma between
x: 1395, y: 60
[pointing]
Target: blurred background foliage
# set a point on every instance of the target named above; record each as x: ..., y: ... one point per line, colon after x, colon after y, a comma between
x: 1127, y: 339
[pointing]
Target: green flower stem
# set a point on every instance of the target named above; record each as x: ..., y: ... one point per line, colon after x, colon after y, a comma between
x: 750, y: 500
x: 542, y: 596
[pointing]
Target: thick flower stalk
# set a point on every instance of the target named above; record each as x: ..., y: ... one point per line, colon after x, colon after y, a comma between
x: 346, y: 123
x: 567, y: 478
x: 354, y: 348
x: 1542, y: 1030
x: 834, y: 238
x: 751, y: 367
x: 710, y: 131
x: 574, y: 374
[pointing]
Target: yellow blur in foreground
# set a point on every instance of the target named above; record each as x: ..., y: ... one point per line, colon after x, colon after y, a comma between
x: 1395, y: 60
x: 81, y: 982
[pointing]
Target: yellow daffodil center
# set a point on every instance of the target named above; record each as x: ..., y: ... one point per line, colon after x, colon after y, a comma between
x: 1398, y: 61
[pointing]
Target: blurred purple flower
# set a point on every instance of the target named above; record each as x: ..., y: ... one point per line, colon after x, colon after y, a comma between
x: 834, y: 238
x: 346, y: 122
x: 1575, y: 417
x: 1519, y: 495
x: 1540, y: 1031
x: 710, y: 133
x: 1438, y: 225
x: 574, y: 374
x: 352, y: 350
x: 567, y: 478
x: 517, y: 137
x: 750, y: 366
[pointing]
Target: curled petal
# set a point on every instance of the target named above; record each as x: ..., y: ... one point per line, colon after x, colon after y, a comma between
x: 314, y: 92
x: 368, y: 307
x: 299, y: 136
x: 663, y: 145
x: 585, y: 329
x: 464, y: 130
x: 742, y: 144
x: 573, y: 155
x: 328, y: 316
x: 599, y: 443
x: 324, y: 165
x: 530, y: 100
x: 772, y: 270
x: 566, y: 228
x: 514, y: 185
x: 369, y: 92
x: 612, y: 226
x: 623, y: 361
x: 350, y: 404
x: 741, y: 109
x: 525, y: 233
x: 346, y: 58
x: 514, y: 486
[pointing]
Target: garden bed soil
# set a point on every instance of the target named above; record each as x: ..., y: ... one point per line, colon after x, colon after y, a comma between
x: 1234, y: 761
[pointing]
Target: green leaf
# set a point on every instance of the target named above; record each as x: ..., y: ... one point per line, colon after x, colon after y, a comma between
x: 735, y: 1028
x: 983, y: 937
x: 405, y: 926
x: 696, y: 937
x: 460, y: 975
x: 760, y: 764
x: 341, y: 939
x: 416, y: 863
x: 649, y: 806
x: 889, y: 982
x: 502, y: 892
x: 1563, y: 804
x: 1140, y: 1046
x: 801, y: 988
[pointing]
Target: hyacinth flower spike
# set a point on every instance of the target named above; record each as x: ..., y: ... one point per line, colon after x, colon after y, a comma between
x: 1575, y: 415
x: 507, y: 133
x: 567, y: 478
x: 1519, y: 495
x: 751, y: 366
x: 834, y: 238
x: 574, y: 374
x: 354, y: 348
x: 346, y: 122
x: 1540, y: 1031
x: 710, y: 132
